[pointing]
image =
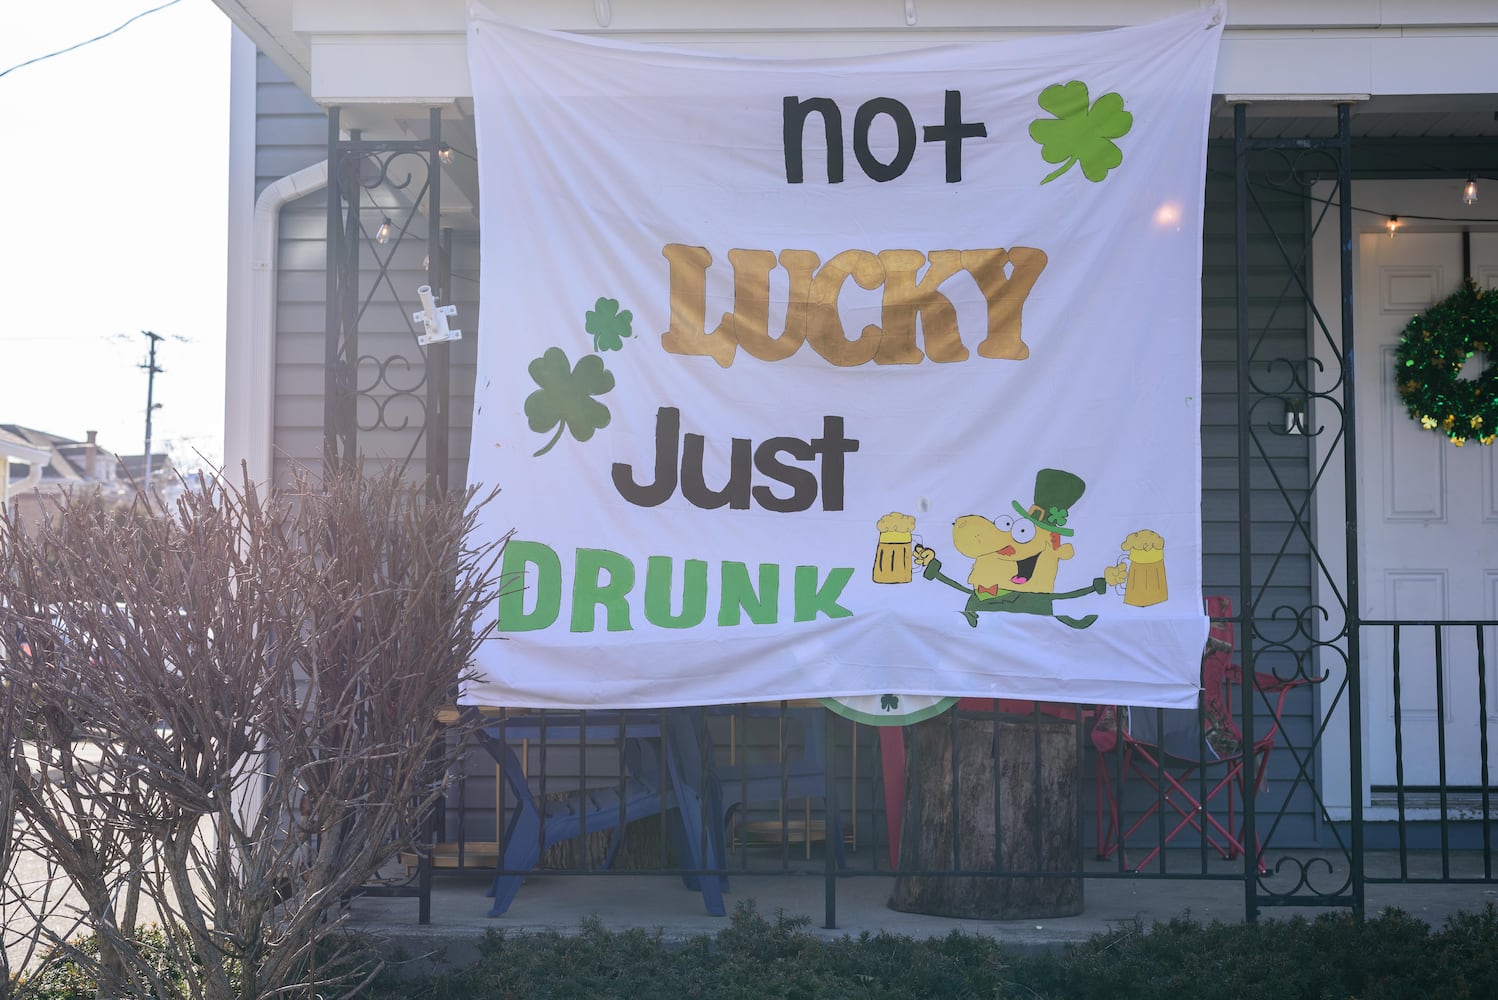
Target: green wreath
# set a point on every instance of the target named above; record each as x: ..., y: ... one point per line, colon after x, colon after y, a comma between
x: 1428, y: 365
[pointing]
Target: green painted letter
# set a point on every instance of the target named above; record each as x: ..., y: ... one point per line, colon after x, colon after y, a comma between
x: 588, y: 591
x: 658, y: 593
x: 739, y: 594
x: 810, y: 599
x: 547, y: 584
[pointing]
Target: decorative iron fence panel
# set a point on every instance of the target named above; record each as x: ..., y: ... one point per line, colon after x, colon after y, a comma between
x: 387, y: 395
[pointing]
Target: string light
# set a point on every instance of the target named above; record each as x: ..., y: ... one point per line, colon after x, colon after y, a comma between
x: 382, y: 235
x: 1469, y: 192
x: 445, y: 154
x: 1392, y: 225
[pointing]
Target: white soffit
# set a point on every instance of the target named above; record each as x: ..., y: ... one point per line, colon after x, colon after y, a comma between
x: 268, y: 23
x: 413, y: 52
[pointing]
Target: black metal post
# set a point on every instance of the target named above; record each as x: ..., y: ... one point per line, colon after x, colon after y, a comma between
x: 1245, y: 527
x: 829, y: 828
x: 439, y: 244
x: 332, y: 312
x: 1354, y: 609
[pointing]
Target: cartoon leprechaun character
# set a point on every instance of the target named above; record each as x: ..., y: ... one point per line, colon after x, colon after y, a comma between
x: 1015, y: 559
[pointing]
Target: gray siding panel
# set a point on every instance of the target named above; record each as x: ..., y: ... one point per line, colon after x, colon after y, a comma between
x: 291, y: 132
x: 301, y: 316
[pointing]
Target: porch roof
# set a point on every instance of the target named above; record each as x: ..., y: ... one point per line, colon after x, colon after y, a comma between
x: 1416, y: 68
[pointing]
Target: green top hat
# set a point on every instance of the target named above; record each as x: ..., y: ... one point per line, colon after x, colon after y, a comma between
x: 1055, y: 492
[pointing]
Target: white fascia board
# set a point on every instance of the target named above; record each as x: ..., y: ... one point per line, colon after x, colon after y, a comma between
x: 1275, y: 65
x: 1376, y: 63
x: 313, y: 17
x: 1436, y: 13
x: 425, y: 69
x: 287, y: 24
x: 1435, y: 64
x: 432, y: 68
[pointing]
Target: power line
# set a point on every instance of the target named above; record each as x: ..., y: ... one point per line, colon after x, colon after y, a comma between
x: 96, y: 38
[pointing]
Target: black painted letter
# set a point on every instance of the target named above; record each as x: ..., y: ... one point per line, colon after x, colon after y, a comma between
x: 802, y: 482
x: 904, y: 130
x: 667, y: 429
x: 833, y: 446
x: 735, y: 493
x: 953, y: 132
x: 794, y: 114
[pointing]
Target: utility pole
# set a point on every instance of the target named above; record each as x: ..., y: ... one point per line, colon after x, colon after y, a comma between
x: 151, y: 372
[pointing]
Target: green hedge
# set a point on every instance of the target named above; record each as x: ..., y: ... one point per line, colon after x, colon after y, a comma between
x: 1390, y: 957
x: 1332, y: 957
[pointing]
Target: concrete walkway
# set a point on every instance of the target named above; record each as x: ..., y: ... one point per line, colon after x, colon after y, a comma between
x: 560, y: 902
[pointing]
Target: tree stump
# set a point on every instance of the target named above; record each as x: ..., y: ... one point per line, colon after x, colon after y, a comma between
x: 1036, y: 821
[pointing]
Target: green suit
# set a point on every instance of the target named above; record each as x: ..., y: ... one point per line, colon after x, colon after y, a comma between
x: 1016, y: 601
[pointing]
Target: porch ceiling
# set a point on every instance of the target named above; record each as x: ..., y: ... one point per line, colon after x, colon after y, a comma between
x: 1446, y: 116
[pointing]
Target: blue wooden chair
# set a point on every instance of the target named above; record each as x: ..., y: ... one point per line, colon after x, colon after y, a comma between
x: 642, y: 791
x: 799, y: 774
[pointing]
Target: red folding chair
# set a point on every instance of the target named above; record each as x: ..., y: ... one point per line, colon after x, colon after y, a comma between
x: 1192, y: 760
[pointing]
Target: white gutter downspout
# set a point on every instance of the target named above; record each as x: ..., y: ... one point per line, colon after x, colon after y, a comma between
x: 250, y: 352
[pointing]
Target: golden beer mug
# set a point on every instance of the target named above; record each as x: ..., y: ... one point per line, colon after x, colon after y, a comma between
x: 892, y: 556
x: 1146, y: 581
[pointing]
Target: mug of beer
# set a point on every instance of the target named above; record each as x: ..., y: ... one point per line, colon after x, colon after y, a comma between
x: 1146, y: 581
x: 892, y: 556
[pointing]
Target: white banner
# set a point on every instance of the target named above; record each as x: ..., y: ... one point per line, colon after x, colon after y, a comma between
x: 843, y: 377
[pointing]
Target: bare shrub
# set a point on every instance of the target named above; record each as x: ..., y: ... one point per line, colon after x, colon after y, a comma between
x: 230, y: 715
x: 30, y: 889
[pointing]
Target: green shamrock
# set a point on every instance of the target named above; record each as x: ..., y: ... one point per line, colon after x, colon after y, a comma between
x: 608, y: 325
x: 889, y: 702
x: 565, y: 400
x: 1079, y: 133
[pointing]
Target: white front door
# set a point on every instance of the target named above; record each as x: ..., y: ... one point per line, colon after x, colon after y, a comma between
x: 1427, y: 522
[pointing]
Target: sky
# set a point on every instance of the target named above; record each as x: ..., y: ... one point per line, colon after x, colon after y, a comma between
x: 114, y: 178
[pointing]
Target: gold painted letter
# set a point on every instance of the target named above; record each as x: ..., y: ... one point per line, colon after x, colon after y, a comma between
x: 687, y: 333
x: 1005, y: 295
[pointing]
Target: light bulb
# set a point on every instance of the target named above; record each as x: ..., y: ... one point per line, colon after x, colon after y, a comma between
x: 1392, y: 225
x: 1469, y: 191
x: 445, y: 154
x: 382, y: 235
